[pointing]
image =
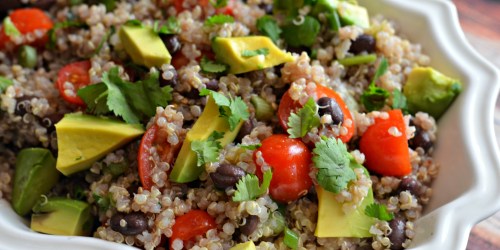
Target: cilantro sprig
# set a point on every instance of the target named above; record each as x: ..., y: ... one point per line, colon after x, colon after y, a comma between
x: 252, y: 53
x: 208, y: 150
x: 268, y: 26
x: 251, y: 147
x: 209, y: 66
x: 374, y: 97
x: 171, y: 26
x: 134, y: 102
x: 234, y: 109
x: 331, y: 158
x: 218, y: 19
x: 399, y: 101
x: 379, y: 211
x: 304, y: 120
x: 248, y: 188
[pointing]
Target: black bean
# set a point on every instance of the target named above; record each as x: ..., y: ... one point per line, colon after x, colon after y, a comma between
x: 251, y: 224
x: 277, y: 69
x: 328, y: 106
x: 172, y: 43
x: 172, y: 82
x: 268, y: 8
x: 363, y: 43
x: 397, y: 236
x: 411, y: 185
x: 134, y: 223
x: 246, y: 129
x: 421, y: 139
x: 213, y: 84
x: 227, y: 175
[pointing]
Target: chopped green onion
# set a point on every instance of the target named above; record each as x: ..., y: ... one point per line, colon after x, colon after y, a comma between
x: 27, y: 56
x: 300, y: 32
x: 356, y: 60
x: 333, y: 20
x: 291, y: 238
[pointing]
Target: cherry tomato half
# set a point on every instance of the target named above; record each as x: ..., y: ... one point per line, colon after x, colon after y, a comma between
x: 289, y: 159
x: 28, y: 20
x: 71, y: 78
x: 287, y: 105
x: 385, y: 146
x: 192, y: 224
x: 165, y: 150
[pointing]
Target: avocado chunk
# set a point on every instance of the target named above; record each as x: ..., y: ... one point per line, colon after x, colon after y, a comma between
x: 232, y: 51
x: 84, y: 139
x: 185, y: 168
x: 333, y: 222
x: 35, y: 175
x: 249, y: 245
x: 430, y: 91
x: 144, y: 46
x: 62, y: 216
x: 351, y: 14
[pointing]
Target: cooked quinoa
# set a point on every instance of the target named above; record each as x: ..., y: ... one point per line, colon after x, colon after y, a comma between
x: 31, y: 106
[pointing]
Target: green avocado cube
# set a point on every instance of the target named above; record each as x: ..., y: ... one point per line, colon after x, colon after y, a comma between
x: 144, y: 46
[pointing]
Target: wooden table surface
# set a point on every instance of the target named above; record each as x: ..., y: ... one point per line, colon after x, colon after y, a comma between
x: 480, y: 20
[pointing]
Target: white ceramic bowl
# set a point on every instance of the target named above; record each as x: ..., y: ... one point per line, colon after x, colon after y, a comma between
x: 466, y: 190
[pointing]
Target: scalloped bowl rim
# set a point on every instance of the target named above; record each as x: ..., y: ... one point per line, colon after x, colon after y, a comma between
x: 470, y: 157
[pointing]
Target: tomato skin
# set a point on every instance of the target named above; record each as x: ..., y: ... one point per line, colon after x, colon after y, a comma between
x: 287, y: 105
x: 76, y: 73
x: 28, y: 20
x: 386, y: 154
x: 165, y: 150
x: 192, y: 224
x: 290, y: 160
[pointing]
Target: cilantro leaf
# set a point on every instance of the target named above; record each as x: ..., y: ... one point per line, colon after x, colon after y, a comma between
x: 251, y: 147
x: 379, y: 211
x: 304, y: 120
x: 209, y: 66
x: 170, y: 27
x: 332, y: 159
x: 234, y: 109
x: 268, y: 26
x: 4, y: 83
x: 116, y: 99
x: 207, y: 150
x: 399, y: 100
x: 251, y: 53
x: 95, y: 97
x: 62, y: 25
x: 9, y: 28
x: 303, y: 34
x: 219, y: 19
x: 219, y: 3
x: 105, y: 38
x: 248, y: 189
x: 374, y: 97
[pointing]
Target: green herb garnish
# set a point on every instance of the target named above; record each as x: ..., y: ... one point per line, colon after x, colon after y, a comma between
x: 251, y: 147
x: 304, y: 120
x: 399, y: 101
x: 332, y: 160
x: 379, y: 211
x: 171, y: 26
x: 134, y: 22
x: 62, y: 25
x: 208, y: 150
x: 268, y: 26
x: 234, y: 109
x: 248, y: 189
x: 4, y: 83
x: 131, y: 101
x: 219, y: 19
x: 105, y: 38
x: 209, y: 66
x: 303, y: 34
x: 252, y: 53
x: 374, y: 97
x: 219, y: 3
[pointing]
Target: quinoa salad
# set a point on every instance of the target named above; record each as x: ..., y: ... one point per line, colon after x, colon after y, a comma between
x: 217, y: 124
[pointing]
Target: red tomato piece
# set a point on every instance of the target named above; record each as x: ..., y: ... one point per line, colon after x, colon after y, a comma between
x: 27, y: 21
x: 71, y: 78
x: 192, y: 224
x: 290, y: 161
x: 287, y: 105
x: 385, y: 153
x: 165, y: 150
